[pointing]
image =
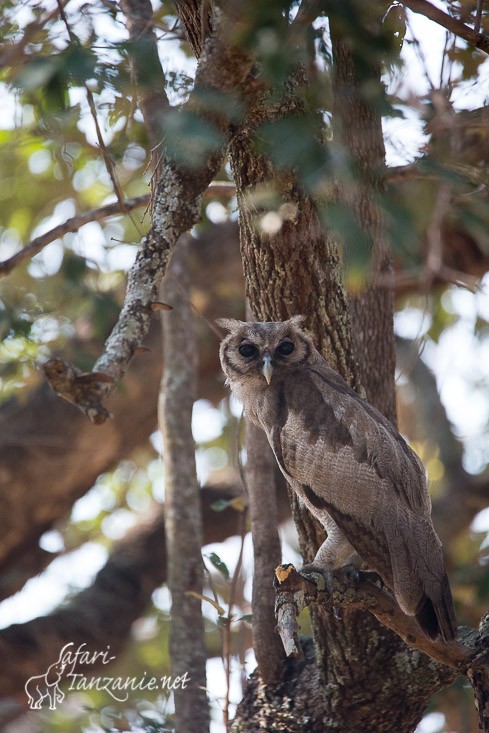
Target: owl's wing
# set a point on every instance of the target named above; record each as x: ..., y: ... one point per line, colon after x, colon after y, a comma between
x: 351, y: 463
x: 369, y: 444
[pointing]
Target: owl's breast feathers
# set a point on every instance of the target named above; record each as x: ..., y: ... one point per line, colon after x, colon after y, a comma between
x: 347, y: 460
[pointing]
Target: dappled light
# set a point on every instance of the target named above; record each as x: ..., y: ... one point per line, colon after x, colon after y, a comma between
x: 164, y: 166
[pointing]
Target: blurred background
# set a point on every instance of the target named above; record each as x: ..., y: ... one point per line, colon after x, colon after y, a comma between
x: 81, y: 496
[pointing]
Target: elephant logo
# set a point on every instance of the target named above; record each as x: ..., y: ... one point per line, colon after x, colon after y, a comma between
x: 46, y: 687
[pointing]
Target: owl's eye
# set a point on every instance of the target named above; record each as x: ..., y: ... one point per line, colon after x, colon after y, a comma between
x: 285, y: 348
x: 247, y: 350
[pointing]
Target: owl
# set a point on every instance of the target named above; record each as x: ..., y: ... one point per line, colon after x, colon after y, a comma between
x: 346, y: 462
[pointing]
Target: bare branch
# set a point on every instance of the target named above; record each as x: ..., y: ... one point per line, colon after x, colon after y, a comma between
x: 472, y: 36
x: 13, y: 53
x: 468, y: 655
x: 478, y: 16
x: 266, y: 551
x: 434, y: 241
x: 221, y: 189
x: 146, y: 68
x: 70, y: 225
x: 222, y: 69
x: 109, y: 165
x: 364, y: 594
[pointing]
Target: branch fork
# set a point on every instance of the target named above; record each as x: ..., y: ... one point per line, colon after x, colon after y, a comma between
x: 468, y: 655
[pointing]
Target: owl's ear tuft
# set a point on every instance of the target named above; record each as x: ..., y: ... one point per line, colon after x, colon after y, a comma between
x: 229, y: 324
x: 298, y: 321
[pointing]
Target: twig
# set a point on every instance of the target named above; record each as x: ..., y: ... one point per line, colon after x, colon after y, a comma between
x: 152, y: 98
x: 229, y: 620
x: 109, y: 165
x: 216, y: 188
x: 434, y: 255
x: 14, y: 52
x: 411, y: 281
x: 70, y: 225
x: 420, y: 53
x: 472, y: 36
x: 478, y: 16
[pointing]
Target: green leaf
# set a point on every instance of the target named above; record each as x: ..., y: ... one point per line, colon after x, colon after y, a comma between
x: 237, y: 503
x: 218, y: 564
x: 189, y: 139
x: 248, y: 617
x: 220, y: 505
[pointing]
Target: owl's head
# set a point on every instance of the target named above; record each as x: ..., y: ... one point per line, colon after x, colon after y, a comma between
x: 257, y: 353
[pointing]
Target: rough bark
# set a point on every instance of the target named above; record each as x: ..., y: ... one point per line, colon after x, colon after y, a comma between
x: 146, y: 68
x: 222, y: 70
x: 183, y: 522
x: 262, y: 497
x: 357, y: 131
x: 352, y: 685
x: 297, y: 271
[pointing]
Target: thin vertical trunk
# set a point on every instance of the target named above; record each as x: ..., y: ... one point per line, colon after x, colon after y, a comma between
x: 182, y: 503
x: 357, y: 130
x: 260, y: 482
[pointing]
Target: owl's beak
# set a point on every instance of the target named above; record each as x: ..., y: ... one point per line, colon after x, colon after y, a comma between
x: 267, y: 368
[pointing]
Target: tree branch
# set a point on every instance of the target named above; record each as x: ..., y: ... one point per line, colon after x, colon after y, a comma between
x: 222, y: 69
x: 474, y: 37
x: 365, y: 594
x: 469, y: 655
x: 70, y: 225
x: 146, y: 70
x: 13, y: 53
x: 103, y: 614
x: 221, y: 189
x: 260, y: 482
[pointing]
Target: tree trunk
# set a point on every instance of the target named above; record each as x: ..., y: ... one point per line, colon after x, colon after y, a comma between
x: 359, y: 680
x: 262, y: 495
x: 183, y: 522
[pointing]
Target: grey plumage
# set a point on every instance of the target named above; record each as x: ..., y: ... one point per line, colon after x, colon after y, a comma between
x: 347, y: 463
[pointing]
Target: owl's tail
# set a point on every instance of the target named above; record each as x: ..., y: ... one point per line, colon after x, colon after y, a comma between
x: 421, y: 583
x: 436, y: 615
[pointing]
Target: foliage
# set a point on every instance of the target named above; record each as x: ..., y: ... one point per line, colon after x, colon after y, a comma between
x: 68, y: 296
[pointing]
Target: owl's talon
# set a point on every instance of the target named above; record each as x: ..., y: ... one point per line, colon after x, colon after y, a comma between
x: 350, y: 572
x: 320, y: 578
x: 374, y: 578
